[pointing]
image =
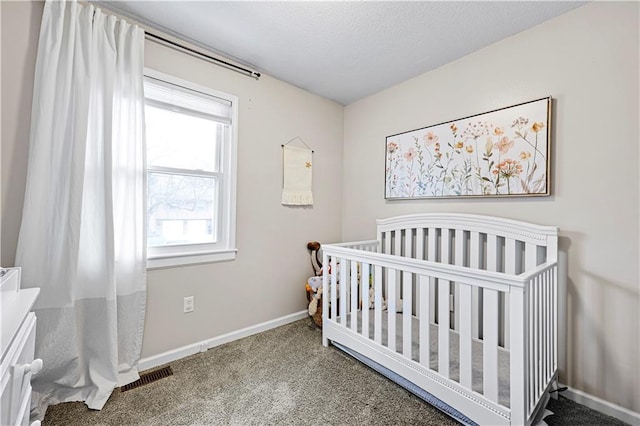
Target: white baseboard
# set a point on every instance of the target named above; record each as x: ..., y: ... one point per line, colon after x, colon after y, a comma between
x: 202, y: 346
x: 601, y: 405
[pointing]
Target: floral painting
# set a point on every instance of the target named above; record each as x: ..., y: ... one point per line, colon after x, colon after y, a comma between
x: 499, y: 153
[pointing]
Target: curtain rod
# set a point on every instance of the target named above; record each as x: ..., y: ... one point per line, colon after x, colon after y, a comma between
x: 217, y: 61
x: 153, y: 34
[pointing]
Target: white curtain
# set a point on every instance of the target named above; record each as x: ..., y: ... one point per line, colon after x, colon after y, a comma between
x: 82, y: 236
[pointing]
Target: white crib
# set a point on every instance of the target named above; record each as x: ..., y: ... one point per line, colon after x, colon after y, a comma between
x: 475, y: 332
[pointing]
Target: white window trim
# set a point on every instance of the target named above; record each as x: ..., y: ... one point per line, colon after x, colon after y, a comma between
x: 189, y: 254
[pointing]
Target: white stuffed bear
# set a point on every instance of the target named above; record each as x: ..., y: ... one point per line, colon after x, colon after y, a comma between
x: 315, y: 283
x: 372, y: 300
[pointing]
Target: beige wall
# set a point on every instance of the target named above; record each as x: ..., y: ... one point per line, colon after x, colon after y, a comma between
x: 266, y: 281
x: 19, y: 35
x: 587, y: 60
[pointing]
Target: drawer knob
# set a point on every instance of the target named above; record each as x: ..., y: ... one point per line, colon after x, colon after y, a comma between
x: 34, y: 367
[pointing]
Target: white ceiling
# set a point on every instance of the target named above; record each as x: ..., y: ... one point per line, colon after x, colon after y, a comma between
x: 343, y: 51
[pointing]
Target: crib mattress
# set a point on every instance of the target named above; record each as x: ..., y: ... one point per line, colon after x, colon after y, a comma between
x: 454, y: 352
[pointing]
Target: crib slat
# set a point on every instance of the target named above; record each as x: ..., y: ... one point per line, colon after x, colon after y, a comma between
x: 425, y: 343
x: 549, y: 319
x: 326, y: 286
x: 490, y: 345
x: 530, y: 262
x: 536, y: 334
x: 419, y: 243
x: 518, y: 370
x: 443, y: 328
x: 474, y: 262
x: 510, y: 256
x: 547, y: 328
x: 398, y: 252
x: 364, y: 281
x: 408, y: 243
x: 391, y: 311
x: 547, y: 331
x: 354, y: 296
x: 474, y: 256
x: 509, y: 268
x: 459, y: 260
x: 445, y: 257
x: 334, y: 289
x: 540, y: 285
x: 536, y: 318
x: 419, y: 255
x: 541, y: 336
x: 543, y: 326
x: 445, y: 246
x: 531, y: 354
x: 492, y: 253
x: 554, y: 307
x: 387, y: 242
x: 534, y: 344
x: 459, y: 247
x: 493, y: 264
x: 465, y: 336
x: 553, y: 325
x: 407, y: 290
x: 432, y: 255
x: 432, y: 239
x: 377, y: 294
x: 344, y: 283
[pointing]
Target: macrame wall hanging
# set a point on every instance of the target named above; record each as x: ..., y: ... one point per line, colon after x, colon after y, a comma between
x: 297, y: 171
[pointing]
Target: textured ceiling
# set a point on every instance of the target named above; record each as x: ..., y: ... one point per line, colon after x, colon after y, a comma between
x: 343, y: 51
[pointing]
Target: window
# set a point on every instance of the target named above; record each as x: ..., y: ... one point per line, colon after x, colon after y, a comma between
x: 191, y: 172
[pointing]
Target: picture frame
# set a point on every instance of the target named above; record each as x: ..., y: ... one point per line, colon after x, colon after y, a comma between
x: 500, y: 153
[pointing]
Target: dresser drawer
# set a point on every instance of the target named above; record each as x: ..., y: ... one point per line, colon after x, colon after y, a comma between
x: 16, y: 369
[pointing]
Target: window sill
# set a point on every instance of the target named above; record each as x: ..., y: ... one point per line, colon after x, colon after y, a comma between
x: 177, y: 260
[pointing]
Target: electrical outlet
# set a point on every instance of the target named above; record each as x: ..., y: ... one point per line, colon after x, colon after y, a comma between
x: 188, y: 304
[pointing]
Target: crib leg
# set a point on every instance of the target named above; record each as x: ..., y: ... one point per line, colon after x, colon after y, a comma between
x: 554, y: 385
x: 325, y: 342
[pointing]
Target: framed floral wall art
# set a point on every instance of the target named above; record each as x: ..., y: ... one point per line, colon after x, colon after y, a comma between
x: 504, y: 152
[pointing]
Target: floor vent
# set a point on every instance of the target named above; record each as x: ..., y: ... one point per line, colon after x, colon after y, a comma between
x: 146, y: 378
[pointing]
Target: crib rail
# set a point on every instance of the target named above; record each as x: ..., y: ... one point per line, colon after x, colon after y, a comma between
x: 367, y: 245
x: 468, y: 275
x: 421, y: 343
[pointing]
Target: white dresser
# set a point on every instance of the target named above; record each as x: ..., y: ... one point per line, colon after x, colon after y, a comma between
x: 17, y: 340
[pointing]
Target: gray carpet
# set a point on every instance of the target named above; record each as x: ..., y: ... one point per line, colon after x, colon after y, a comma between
x: 569, y: 413
x: 283, y: 376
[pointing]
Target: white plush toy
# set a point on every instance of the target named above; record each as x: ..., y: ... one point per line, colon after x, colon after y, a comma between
x: 315, y: 283
x: 372, y: 300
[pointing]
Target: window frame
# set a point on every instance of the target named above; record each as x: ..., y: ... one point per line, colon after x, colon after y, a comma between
x: 225, y: 248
